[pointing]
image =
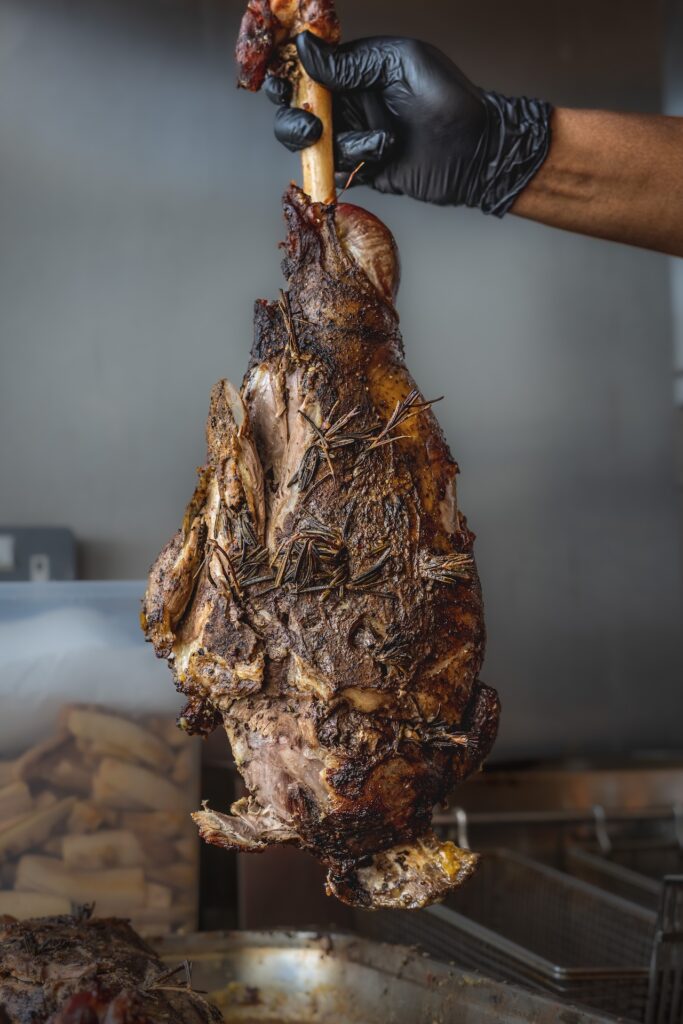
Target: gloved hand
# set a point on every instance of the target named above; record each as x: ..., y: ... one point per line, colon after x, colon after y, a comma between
x: 420, y: 126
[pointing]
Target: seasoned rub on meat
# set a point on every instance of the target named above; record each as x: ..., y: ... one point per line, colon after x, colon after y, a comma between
x: 78, y: 970
x: 321, y: 598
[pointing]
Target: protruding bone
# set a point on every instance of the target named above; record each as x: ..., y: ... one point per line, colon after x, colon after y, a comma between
x: 266, y: 25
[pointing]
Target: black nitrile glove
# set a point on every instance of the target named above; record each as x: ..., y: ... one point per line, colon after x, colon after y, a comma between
x: 420, y: 126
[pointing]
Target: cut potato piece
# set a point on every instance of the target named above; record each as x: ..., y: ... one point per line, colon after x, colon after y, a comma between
x: 157, y: 853
x: 110, y: 848
x: 113, y: 890
x: 24, y: 766
x: 125, y: 785
x: 15, y: 800
x: 155, y: 825
x: 187, y: 848
x: 35, y: 828
x: 8, y: 874
x: 109, y: 734
x: 66, y: 770
x: 45, y: 799
x: 179, y: 876
x: 24, y: 905
x: 183, y: 765
x: 157, y: 896
x: 168, y: 730
x: 87, y: 817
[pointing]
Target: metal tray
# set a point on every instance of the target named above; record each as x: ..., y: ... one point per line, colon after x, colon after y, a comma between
x: 309, y: 978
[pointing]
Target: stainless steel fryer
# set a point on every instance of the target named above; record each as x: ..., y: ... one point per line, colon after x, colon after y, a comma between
x: 280, y: 977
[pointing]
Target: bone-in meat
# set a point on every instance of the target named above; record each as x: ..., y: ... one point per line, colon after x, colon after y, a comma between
x: 321, y: 599
x: 76, y: 970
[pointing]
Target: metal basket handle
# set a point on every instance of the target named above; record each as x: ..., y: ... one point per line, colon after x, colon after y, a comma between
x: 601, y: 833
x: 461, y: 826
x: 677, y: 810
x: 665, y: 990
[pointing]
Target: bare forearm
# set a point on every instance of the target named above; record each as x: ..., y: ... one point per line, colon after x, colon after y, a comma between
x: 614, y: 176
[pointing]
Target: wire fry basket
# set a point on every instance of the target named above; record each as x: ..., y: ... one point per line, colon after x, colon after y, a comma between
x: 521, y: 921
x: 633, y: 870
x: 665, y: 1001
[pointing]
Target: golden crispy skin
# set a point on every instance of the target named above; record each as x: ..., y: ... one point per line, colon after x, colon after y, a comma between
x: 322, y: 597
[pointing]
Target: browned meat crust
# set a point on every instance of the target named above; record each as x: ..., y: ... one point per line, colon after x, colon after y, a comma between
x: 75, y: 970
x: 322, y: 596
x: 268, y: 23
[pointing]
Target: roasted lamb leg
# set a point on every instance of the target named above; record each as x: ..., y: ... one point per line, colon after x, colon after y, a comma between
x: 321, y: 598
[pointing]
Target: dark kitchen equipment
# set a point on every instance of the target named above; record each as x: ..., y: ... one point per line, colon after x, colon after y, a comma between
x: 665, y: 1003
x: 37, y: 553
x: 543, y: 809
x: 311, y: 978
x: 531, y: 924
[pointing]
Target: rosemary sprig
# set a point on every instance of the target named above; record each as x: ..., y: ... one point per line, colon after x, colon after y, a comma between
x: 394, y: 651
x: 288, y: 320
x: 244, y: 534
x: 350, y: 178
x: 222, y: 521
x: 405, y: 410
x: 245, y: 569
x: 163, y: 982
x: 313, y: 558
x: 228, y: 569
x: 371, y: 577
x: 185, y: 966
x: 453, y: 568
x: 329, y: 437
x: 436, y: 734
x: 308, y: 467
x: 439, y: 733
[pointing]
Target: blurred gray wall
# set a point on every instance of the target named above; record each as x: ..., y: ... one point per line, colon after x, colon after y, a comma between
x: 139, y: 216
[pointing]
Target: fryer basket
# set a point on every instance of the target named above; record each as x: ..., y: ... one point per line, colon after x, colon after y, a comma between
x: 633, y: 870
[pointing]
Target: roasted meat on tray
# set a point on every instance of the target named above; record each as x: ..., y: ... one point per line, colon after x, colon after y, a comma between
x: 77, y: 970
x: 321, y: 599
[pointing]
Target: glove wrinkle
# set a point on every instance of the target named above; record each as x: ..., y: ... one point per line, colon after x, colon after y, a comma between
x: 521, y: 146
x: 354, y: 147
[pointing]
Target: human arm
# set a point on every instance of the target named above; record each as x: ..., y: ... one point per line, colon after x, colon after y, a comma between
x: 613, y: 176
x: 419, y: 127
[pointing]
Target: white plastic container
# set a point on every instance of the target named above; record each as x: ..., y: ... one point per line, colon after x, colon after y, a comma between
x: 96, y: 782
